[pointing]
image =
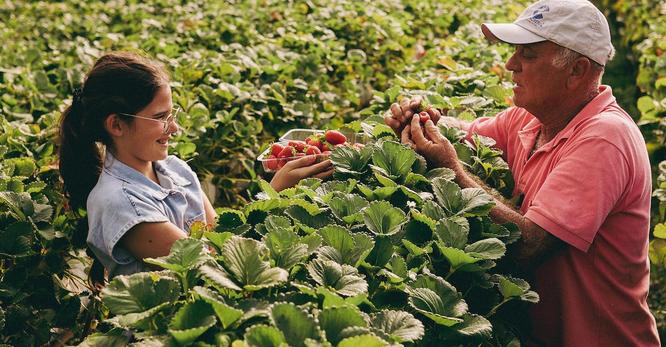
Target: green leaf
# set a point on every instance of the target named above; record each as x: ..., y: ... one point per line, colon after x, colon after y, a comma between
x: 474, y: 325
x: 427, y: 302
x: 442, y: 172
x: 448, y: 195
x: 401, y: 326
x: 264, y: 336
x: 476, y: 202
x: 453, y: 232
x: 398, y: 266
x: 113, y: 338
x: 311, y: 208
x: 295, y: 324
x: 268, y: 189
x: 255, y: 208
x: 349, y: 161
x: 228, y: 219
x: 456, y: 257
x: 308, y: 222
x: 467, y: 201
x: 244, y: 259
x: 20, y: 205
x: 382, y: 218
x: 366, y: 340
x: 140, y: 292
x: 285, y: 248
x: 192, y: 320
x: 382, y: 252
x: 350, y: 248
x: 486, y: 249
x: 384, y: 181
x: 274, y: 223
x: 435, y: 298
x: 347, y: 207
x: 22, y: 166
x: 415, y: 250
x: 17, y: 239
x: 132, y: 320
x: 657, y: 252
x: 327, y: 189
x: 334, y: 320
x: 645, y: 104
x: 424, y: 219
x: 343, y: 279
x: 660, y: 231
x: 225, y: 313
x: 218, y: 239
x: 414, y: 180
x: 432, y: 210
x: 185, y: 254
x: 216, y: 276
x: 393, y: 159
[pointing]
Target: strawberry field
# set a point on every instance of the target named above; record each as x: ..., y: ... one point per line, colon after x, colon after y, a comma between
x: 387, y: 251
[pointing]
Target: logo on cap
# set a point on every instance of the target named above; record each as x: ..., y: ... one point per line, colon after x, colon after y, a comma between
x: 537, y: 15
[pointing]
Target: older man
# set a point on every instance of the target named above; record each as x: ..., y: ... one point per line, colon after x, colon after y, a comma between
x: 581, y: 168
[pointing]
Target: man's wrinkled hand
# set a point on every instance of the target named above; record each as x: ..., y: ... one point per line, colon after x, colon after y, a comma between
x: 400, y: 115
x: 428, y: 141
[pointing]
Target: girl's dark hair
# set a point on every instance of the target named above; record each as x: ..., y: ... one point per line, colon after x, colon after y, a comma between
x: 119, y: 82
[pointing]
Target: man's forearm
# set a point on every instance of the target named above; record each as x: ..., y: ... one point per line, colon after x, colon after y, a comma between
x: 535, y: 242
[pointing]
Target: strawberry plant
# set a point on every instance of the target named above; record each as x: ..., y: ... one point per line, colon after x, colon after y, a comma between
x: 387, y: 252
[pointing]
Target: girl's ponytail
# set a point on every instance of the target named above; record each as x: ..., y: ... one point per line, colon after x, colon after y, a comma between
x: 80, y: 156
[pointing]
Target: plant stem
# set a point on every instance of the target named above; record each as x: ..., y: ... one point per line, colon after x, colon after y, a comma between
x: 494, y: 309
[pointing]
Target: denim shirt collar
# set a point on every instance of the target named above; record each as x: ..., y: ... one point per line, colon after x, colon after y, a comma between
x: 170, y: 180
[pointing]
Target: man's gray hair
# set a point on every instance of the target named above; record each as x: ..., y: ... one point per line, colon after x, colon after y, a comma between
x: 566, y: 57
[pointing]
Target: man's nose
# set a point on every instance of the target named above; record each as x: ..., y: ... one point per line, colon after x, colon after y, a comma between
x: 512, y: 64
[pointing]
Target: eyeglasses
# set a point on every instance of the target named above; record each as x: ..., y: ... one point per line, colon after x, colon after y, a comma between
x: 166, y: 121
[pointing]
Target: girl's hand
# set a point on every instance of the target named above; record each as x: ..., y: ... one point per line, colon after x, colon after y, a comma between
x: 294, y: 171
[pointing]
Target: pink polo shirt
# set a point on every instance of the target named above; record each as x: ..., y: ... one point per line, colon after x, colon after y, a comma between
x: 590, y: 187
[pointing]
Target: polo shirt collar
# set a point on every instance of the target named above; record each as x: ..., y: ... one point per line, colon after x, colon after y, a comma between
x: 529, y: 132
x: 125, y: 173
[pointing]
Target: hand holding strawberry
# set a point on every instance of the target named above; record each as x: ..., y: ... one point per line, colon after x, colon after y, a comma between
x: 401, y: 114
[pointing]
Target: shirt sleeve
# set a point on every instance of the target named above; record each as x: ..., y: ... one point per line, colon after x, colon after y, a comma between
x: 580, y: 192
x: 121, y: 213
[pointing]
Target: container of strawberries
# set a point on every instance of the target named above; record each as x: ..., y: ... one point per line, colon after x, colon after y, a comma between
x: 297, y: 143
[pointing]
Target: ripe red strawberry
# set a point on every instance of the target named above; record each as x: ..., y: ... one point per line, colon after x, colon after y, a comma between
x: 326, y: 147
x: 312, y: 150
x: 424, y: 117
x: 271, y: 163
x: 298, y: 145
x: 276, y: 148
x: 287, y: 152
x: 314, y: 140
x: 335, y: 137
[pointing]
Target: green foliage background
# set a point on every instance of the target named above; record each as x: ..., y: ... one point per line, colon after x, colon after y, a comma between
x: 244, y: 72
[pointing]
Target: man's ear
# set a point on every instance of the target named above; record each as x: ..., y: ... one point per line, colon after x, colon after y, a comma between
x: 114, y: 126
x: 579, y: 71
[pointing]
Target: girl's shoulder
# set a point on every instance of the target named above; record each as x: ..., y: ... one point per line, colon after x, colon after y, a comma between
x: 180, y: 167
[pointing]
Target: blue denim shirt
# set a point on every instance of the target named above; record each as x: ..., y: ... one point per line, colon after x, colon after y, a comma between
x: 123, y: 198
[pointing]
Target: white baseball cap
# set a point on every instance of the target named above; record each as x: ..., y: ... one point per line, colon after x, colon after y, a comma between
x: 574, y: 24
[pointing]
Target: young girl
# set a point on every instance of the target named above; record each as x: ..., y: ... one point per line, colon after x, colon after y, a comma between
x: 114, y: 162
